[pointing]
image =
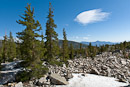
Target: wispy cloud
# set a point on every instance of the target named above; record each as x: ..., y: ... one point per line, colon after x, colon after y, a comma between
x: 78, y: 38
x: 91, y: 16
x: 85, y: 38
x: 1, y: 37
x: 66, y: 25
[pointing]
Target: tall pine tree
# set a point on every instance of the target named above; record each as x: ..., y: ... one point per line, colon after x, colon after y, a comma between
x: 71, y: 49
x: 5, y: 49
x: 30, y: 45
x: 12, y: 48
x: 65, y: 46
x: 42, y: 48
x: 29, y: 35
x: 51, y: 43
x: 18, y: 49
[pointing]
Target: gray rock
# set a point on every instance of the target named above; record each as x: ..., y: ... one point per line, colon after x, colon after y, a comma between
x: 9, y: 71
x: 20, y: 84
x: 68, y: 76
x: 94, y: 71
x: 1, y: 86
x: 43, y: 81
x: 56, y: 79
x: 123, y: 62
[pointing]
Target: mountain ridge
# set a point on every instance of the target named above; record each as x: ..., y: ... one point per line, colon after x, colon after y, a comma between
x: 99, y: 43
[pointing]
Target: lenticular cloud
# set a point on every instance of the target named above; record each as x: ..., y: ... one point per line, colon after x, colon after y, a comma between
x: 91, y: 16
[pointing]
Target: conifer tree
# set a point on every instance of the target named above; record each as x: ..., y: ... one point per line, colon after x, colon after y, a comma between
x: 29, y: 35
x: 0, y: 54
x: 71, y: 51
x: 65, y: 46
x: 81, y: 50
x: 1, y: 50
x: 12, y: 48
x: 18, y: 49
x: 92, y: 50
x: 5, y: 49
x: 42, y: 48
x: 30, y: 46
x: 51, y: 43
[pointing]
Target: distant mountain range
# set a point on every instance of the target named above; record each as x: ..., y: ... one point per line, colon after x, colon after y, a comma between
x: 98, y: 43
x: 84, y: 44
x: 75, y: 44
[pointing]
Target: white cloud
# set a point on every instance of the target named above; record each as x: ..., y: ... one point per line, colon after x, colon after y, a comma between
x: 66, y: 25
x: 1, y: 37
x: 85, y: 38
x: 88, y: 35
x: 78, y: 38
x: 91, y: 16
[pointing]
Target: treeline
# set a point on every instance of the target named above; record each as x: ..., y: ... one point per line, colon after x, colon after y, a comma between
x: 31, y: 48
x: 8, y: 49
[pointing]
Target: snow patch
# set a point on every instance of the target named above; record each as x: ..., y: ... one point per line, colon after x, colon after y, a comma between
x: 91, y: 80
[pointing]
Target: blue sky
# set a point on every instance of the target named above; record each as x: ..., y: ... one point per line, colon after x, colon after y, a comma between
x: 84, y: 20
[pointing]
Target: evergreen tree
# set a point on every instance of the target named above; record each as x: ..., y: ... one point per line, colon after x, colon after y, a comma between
x: 43, y: 49
x: 65, y: 46
x: 0, y: 53
x: 51, y: 43
x: 71, y: 51
x: 12, y: 48
x: 81, y: 51
x: 87, y: 52
x: 1, y: 50
x: 18, y: 49
x: 5, y: 49
x: 92, y: 50
x: 121, y: 46
x: 29, y: 35
x: 30, y: 46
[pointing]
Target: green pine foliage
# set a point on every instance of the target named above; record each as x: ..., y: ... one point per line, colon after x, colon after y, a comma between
x: 12, y: 48
x: 71, y: 49
x: 18, y: 50
x: 29, y: 35
x: 5, y: 46
x: 31, y: 48
x: 51, y: 43
x: 65, y: 52
x: 42, y: 48
x: 91, y: 51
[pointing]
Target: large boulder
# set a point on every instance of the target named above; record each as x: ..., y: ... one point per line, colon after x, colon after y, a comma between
x: 9, y: 71
x: 20, y: 84
x: 94, y: 71
x: 68, y: 76
x: 43, y: 81
x: 56, y: 79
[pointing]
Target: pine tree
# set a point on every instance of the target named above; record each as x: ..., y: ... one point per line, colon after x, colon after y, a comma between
x: 92, y: 50
x: 0, y: 51
x: 12, y: 48
x: 71, y: 51
x: 30, y: 45
x: 65, y: 46
x: 87, y: 52
x: 29, y: 35
x: 51, y: 43
x: 18, y: 49
x: 81, y: 50
x: 5, y: 49
x: 42, y: 48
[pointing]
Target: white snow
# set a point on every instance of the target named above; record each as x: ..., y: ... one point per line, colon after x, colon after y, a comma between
x: 90, y: 80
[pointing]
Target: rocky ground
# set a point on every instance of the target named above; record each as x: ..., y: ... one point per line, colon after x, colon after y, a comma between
x: 106, y: 64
